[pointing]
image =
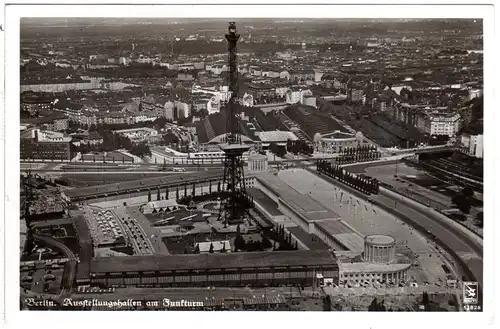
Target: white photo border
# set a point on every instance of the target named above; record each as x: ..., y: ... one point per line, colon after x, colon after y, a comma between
x: 16, y: 318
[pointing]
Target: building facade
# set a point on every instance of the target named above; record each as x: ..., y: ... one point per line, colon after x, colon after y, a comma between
x: 379, y: 249
x: 36, y: 147
x: 61, y: 86
x: 34, y: 107
x: 257, y: 162
x: 338, y: 141
x: 296, y: 95
x: 442, y: 124
x: 217, y: 269
x: 379, y: 264
x: 472, y: 145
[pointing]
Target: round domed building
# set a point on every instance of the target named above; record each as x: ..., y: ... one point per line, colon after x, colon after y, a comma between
x: 379, y: 249
x: 379, y: 264
x: 257, y: 162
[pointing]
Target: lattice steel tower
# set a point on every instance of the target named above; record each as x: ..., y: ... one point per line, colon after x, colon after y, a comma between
x: 235, y: 201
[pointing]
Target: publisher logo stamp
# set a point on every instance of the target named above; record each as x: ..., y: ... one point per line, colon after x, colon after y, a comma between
x: 470, y: 293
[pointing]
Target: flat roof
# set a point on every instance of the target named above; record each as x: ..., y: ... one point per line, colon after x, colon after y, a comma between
x: 343, y: 233
x: 265, y: 201
x: 82, y: 229
x: 38, y: 281
x: 132, y: 185
x: 380, y: 239
x: 371, y: 267
x: 311, y: 241
x: 277, y: 135
x: 121, y: 131
x: 309, y: 208
x: 85, y: 242
x: 213, y: 261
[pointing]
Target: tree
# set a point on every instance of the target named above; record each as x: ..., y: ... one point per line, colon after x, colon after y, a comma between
x: 278, y: 150
x: 160, y: 123
x: 479, y: 219
x: 427, y: 305
x: 266, y: 243
x: 463, y: 202
x: 239, y: 242
x: 376, y: 306
x: 149, y: 196
x: 327, y: 303
x: 140, y: 150
x: 169, y: 138
x: 468, y: 192
x: 425, y: 298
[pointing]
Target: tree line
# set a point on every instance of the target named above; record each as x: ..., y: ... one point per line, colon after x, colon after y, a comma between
x: 113, y: 141
x: 299, y: 146
x: 361, y: 153
x: 364, y: 184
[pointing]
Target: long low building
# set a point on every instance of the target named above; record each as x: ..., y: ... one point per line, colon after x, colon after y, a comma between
x: 370, y: 272
x: 166, y: 155
x: 303, y: 209
x: 339, y: 235
x: 217, y: 269
x: 310, y: 215
x: 135, y: 186
x: 86, y: 252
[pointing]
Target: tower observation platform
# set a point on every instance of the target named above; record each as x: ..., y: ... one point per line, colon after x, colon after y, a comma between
x: 234, y: 149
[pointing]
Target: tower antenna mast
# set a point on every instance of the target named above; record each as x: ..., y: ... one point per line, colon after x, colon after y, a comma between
x: 235, y: 200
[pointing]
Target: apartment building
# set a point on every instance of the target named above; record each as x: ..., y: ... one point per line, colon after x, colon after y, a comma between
x: 442, y: 124
x: 36, y: 144
x: 472, y: 145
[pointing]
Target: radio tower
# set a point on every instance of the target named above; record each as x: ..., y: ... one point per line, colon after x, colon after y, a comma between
x: 235, y: 199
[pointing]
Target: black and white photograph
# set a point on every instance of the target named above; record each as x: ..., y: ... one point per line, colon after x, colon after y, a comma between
x: 240, y: 162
